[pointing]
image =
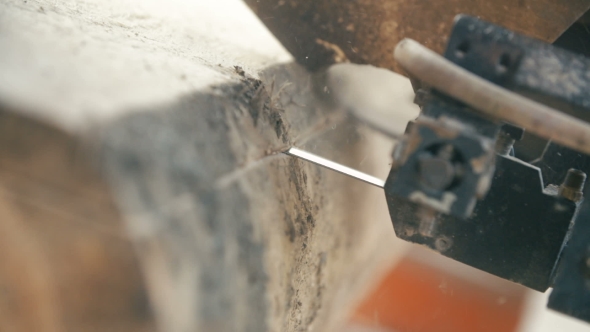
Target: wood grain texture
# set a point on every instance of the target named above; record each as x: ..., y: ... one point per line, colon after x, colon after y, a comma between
x: 67, y: 264
x: 320, y: 33
x: 131, y: 118
x: 29, y: 300
x: 265, y: 241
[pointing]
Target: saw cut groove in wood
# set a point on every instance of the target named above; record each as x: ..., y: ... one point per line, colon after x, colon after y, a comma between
x: 267, y: 233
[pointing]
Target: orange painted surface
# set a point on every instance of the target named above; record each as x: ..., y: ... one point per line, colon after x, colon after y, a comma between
x: 419, y: 298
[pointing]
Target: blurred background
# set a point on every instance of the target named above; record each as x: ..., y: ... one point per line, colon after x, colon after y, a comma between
x: 143, y: 185
x: 426, y: 292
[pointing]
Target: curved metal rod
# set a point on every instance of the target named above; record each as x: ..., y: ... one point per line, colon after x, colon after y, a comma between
x: 490, y: 99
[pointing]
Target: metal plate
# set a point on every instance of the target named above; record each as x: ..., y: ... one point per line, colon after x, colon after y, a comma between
x: 515, y: 233
x: 571, y: 291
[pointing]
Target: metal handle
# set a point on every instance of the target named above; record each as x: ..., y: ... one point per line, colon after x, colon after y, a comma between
x: 490, y: 99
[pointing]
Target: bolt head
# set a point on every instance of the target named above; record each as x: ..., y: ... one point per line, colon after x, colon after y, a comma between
x: 572, y: 186
x: 435, y: 172
x: 443, y: 243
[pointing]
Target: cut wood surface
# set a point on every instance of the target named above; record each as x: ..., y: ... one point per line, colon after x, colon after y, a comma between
x: 142, y: 180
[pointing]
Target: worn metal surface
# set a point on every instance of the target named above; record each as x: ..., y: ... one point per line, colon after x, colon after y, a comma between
x: 537, y: 70
x: 571, y: 290
x: 556, y: 160
x: 422, y: 174
x: 516, y: 232
x: 493, y: 101
x: 322, y: 32
x: 572, y: 186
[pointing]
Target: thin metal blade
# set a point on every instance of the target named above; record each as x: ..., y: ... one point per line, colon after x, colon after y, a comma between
x: 335, y: 167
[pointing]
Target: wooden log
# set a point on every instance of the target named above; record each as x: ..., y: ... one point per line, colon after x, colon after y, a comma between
x: 142, y: 178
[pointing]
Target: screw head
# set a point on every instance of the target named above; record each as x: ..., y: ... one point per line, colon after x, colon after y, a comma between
x: 443, y: 243
x: 436, y: 169
x: 436, y: 173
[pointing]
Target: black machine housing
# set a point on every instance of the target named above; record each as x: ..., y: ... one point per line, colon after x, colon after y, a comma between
x: 456, y: 186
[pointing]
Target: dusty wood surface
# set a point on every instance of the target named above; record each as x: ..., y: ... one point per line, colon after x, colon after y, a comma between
x: 322, y: 32
x: 227, y: 233
x: 77, y: 64
x: 266, y: 242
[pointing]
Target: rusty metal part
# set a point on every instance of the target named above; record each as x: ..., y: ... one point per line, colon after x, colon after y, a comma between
x: 322, y: 32
x: 573, y: 185
x: 490, y: 99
